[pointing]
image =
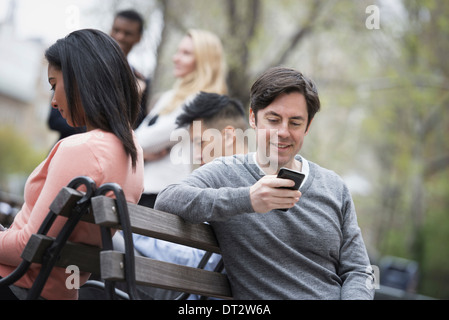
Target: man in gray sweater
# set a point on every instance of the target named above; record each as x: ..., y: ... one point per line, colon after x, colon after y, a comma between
x: 314, y: 250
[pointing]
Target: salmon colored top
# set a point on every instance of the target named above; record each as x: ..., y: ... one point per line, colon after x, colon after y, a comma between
x: 97, y: 154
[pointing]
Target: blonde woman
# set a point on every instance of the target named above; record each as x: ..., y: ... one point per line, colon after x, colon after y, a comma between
x: 199, y: 65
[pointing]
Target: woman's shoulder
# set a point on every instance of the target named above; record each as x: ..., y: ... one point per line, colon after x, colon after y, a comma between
x: 96, y: 143
x: 87, y: 139
x: 93, y: 151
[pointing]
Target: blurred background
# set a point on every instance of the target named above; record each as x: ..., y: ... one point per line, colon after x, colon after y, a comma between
x: 381, y: 70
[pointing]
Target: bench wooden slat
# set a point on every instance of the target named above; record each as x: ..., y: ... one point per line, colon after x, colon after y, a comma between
x: 85, y: 257
x: 156, y: 224
x: 166, y: 275
x: 65, y: 201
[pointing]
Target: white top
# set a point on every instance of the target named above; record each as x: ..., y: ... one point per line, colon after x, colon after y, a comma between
x: 161, y: 135
x: 305, y: 167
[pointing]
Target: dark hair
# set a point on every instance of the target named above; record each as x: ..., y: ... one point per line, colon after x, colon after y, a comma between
x: 211, y: 108
x: 278, y: 80
x: 132, y: 15
x: 98, y: 79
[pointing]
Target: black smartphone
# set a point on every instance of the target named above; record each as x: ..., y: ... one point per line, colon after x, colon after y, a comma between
x: 296, y: 176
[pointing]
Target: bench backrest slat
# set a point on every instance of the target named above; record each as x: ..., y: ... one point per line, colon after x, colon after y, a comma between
x: 166, y: 275
x: 156, y: 224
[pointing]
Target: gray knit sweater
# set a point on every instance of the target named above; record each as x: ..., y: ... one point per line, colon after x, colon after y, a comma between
x: 314, y: 250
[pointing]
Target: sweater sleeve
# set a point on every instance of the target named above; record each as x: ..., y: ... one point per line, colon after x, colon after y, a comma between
x: 354, y: 266
x: 45, y: 183
x: 206, y: 195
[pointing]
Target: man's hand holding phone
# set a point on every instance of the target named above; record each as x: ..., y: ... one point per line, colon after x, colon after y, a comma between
x: 272, y: 192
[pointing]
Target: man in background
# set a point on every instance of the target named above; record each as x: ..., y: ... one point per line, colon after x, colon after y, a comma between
x: 216, y: 126
x: 214, y: 122
x: 127, y: 30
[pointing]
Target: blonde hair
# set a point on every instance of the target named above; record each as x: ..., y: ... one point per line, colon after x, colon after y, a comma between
x: 210, y: 70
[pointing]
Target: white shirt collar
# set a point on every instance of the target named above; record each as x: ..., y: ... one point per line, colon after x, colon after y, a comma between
x: 305, y: 166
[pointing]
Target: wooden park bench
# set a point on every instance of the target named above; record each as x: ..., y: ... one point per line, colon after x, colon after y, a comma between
x: 115, y: 266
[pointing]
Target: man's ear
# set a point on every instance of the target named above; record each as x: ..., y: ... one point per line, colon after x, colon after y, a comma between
x: 252, y: 118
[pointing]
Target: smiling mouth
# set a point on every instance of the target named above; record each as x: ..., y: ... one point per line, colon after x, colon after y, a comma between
x: 281, y: 146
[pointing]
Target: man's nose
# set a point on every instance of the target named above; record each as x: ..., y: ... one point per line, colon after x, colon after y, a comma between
x: 283, y: 130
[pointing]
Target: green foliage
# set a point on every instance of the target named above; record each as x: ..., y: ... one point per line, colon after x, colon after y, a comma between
x: 435, y: 237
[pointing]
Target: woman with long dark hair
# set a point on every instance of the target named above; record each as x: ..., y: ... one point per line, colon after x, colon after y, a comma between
x: 93, y: 87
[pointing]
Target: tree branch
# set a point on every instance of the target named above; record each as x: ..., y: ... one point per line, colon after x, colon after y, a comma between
x: 436, y: 165
x: 301, y: 33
